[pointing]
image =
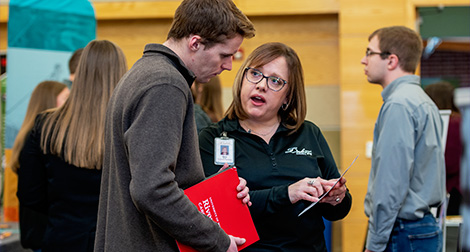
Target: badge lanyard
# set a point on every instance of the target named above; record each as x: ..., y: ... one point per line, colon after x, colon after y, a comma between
x: 224, y: 150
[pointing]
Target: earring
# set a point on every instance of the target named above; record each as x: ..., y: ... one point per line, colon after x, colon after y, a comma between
x: 284, y: 106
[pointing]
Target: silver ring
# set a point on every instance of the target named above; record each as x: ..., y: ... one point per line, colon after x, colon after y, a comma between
x: 337, y: 199
x: 310, y: 183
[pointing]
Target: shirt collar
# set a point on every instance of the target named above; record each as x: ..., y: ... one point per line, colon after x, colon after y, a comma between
x: 234, y: 125
x: 408, y: 79
x: 174, y: 60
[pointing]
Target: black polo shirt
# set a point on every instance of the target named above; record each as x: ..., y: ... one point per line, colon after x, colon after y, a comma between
x: 269, y: 169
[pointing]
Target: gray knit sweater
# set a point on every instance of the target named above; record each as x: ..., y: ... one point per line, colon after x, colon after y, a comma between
x: 151, y: 155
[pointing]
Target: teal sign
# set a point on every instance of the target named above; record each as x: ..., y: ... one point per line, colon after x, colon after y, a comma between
x: 42, y: 35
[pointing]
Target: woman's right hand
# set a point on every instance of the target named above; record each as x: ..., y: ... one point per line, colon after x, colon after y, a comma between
x: 308, y: 189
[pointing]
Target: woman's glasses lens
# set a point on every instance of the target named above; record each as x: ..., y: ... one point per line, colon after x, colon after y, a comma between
x: 274, y: 83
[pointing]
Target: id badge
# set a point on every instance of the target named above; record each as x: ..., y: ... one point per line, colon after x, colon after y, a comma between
x: 224, y: 150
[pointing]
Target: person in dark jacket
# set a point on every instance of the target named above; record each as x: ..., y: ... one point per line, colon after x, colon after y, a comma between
x: 61, y: 161
x: 46, y: 95
x: 442, y: 93
x: 285, y: 159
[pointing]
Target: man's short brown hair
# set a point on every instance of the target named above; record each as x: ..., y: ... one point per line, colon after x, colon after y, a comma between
x: 403, y: 42
x: 213, y: 20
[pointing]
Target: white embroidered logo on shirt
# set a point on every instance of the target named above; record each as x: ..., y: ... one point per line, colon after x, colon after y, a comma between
x: 302, y: 152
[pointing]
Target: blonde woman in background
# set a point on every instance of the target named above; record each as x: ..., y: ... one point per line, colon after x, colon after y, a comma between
x: 46, y: 95
x: 210, y: 98
x: 61, y: 161
x: 208, y: 106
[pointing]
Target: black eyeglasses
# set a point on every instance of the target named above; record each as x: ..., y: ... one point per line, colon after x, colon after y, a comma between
x: 255, y: 76
x: 369, y: 53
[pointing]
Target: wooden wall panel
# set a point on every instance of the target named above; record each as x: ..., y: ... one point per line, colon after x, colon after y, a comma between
x: 166, y: 8
x: 353, y: 48
x: 120, y: 10
x: 364, y: 16
x: 356, y: 232
x: 3, y: 13
x: 360, y: 109
x: 323, y: 106
x: 3, y: 26
x: 3, y: 36
x: 133, y: 35
x: 314, y: 37
x: 282, y: 7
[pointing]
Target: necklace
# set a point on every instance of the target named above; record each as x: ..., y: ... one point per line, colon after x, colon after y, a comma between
x: 250, y: 131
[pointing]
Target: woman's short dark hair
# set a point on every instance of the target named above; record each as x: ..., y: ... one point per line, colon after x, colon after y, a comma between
x: 294, y: 115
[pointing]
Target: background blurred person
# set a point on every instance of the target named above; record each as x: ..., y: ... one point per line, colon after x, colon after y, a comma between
x: 200, y: 116
x: 208, y: 106
x: 46, y: 95
x: 285, y: 159
x: 209, y: 97
x: 73, y: 64
x: 442, y: 93
x: 61, y: 161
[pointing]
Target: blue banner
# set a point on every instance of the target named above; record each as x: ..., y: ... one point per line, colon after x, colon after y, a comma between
x: 42, y: 35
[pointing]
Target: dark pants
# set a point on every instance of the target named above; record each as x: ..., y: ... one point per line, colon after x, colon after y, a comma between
x: 453, y: 208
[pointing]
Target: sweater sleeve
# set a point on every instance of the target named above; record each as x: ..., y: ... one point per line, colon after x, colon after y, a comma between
x: 159, y: 117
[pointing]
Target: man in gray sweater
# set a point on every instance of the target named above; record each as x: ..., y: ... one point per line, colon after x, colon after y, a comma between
x: 151, y: 142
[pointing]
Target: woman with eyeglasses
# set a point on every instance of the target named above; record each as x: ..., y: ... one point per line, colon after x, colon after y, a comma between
x: 285, y: 160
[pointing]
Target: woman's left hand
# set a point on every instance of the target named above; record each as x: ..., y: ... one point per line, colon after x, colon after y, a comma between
x: 243, y: 192
x: 337, y: 194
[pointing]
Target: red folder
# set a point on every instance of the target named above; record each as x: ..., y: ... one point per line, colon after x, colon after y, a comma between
x: 216, y: 197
